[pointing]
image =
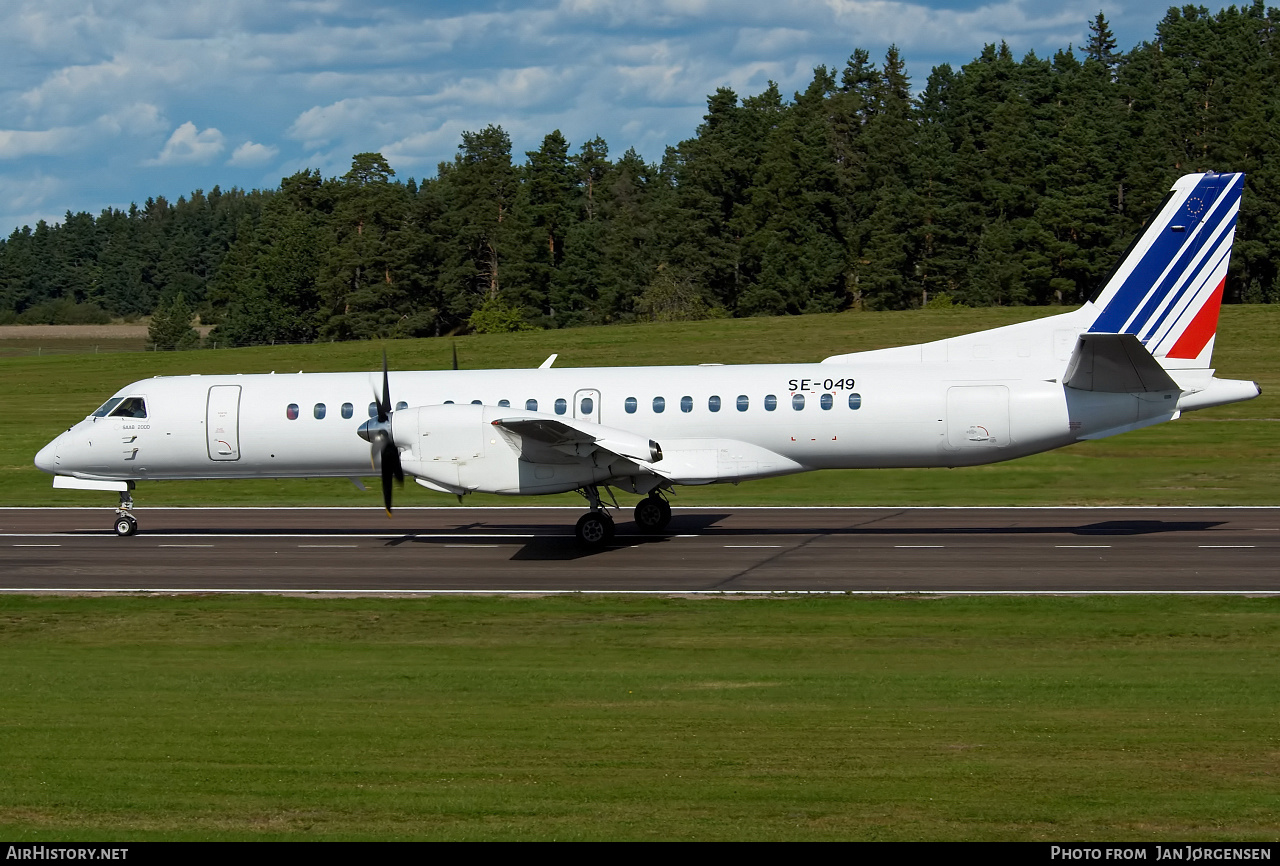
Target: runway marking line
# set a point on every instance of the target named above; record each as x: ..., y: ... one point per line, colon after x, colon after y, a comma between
x: 330, y: 591
x: 919, y: 546
x: 185, y: 545
x: 1228, y: 546
x: 1081, y: 546
x: 378, y: 508
x: 37, y: 545
x: 232, y: 534
x: 753, y: 546
x: 328, y: 546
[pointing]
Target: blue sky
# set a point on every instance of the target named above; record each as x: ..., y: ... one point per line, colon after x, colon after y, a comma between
x: 108, y: 102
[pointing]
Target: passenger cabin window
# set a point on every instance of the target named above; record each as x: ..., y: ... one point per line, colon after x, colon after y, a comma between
x: 659, y: 405
x: 770, y: 402
x: 686, y: 404
x: 318, y: 411
x: 531, y: 405
x: 373, y: 410
x: 401, y: 405
x: 587, y: 405
x: 505, y: 404
x: 476, y: 403
x: 826, y: 401
x: 630, y: 405
x: 797, y: 402
x: 292, y: 412
x: 855, y: 401
x: 348, y: 410
x: 743, y: 403
x: 105, y: 409
x: 130, y: 407
x: 448, y: 402
x: 713, y: 404
x: 562, y: 405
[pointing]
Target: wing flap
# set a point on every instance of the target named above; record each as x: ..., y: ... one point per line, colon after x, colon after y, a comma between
x: 540, y: 438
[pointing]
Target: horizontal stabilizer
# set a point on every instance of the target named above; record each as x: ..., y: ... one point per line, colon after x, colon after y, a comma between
x: 1115, y: 363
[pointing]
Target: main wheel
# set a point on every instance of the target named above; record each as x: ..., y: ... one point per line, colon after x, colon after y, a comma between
x: 652, y: 514
x: 126, y: 525
x: 594, y: 529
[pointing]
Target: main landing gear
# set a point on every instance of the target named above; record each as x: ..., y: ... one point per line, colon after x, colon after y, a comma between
x: 653, y: 513
x: 595, y: 529
x: 126, y: 523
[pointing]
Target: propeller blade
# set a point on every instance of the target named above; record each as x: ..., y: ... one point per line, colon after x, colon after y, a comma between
x: 384, y: 402
x: 391, y: 469
x: 382, y: 446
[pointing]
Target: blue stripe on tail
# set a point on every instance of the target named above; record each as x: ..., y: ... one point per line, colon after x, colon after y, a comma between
x: 1201, y: 214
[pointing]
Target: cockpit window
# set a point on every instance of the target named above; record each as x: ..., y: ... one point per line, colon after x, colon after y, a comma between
x: 130, y: 407
x: 107, y: 407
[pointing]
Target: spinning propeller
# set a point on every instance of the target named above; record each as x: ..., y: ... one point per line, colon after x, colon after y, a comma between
x: 377, y: 432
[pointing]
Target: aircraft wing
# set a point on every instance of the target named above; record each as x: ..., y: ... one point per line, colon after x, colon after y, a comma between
x: 547, y: 440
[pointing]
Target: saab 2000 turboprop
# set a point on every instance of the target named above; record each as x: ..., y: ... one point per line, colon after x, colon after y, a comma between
x: 1136, y: 355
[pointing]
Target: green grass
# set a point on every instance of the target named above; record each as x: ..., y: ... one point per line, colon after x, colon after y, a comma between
x: 1056, y: 719
x: 1220, y: 456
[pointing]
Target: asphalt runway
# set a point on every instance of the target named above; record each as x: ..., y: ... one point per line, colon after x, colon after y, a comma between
x: 705, y: 550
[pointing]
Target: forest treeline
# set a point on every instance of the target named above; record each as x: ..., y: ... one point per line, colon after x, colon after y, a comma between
x: 1004, y: 182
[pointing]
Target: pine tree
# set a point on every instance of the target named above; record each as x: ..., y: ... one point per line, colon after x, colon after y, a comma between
x: 170, y: 327
x: 1102, y: 44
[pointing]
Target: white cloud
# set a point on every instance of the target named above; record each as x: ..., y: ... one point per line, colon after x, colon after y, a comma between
x: 17, y: 143
x: 137, y: 119
x: 76, y: 84
x: 187, y: 146
x: 252, y: 153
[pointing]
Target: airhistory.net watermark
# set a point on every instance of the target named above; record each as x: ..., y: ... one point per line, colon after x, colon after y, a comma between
x: 44, y: 852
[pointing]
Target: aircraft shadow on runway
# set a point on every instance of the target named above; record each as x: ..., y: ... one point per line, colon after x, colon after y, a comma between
x: 563, y: 547
x: 1108, y: 527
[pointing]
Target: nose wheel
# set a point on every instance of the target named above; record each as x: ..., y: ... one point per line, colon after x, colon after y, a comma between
x: 126, y: 523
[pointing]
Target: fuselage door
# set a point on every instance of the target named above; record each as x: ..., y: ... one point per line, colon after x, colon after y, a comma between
x: 222, y: 422
x: 977, y: 416
x: 586, y: 405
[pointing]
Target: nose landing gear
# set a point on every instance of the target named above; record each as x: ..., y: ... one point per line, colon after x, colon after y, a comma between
x: 126, y: 524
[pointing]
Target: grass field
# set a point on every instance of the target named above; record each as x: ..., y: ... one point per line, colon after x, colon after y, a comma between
x: 1219, y: 456
x: 1054, y: 719
x: 1060, y: 720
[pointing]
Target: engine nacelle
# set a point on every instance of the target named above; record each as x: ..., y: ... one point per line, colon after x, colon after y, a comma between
x: 459, y: 449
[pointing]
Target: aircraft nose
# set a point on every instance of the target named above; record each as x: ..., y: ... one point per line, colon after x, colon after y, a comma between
x: 46, y: 459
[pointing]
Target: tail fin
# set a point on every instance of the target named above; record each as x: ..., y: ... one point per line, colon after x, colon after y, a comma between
x: 1168, y: 287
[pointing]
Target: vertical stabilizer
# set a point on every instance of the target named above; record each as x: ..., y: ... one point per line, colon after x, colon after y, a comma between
x: 1168, y: 288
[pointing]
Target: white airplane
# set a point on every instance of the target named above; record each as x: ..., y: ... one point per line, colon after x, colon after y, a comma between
x: 1137, y: 355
